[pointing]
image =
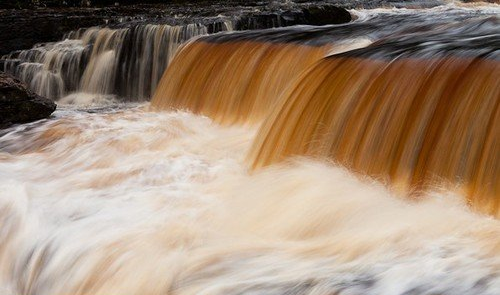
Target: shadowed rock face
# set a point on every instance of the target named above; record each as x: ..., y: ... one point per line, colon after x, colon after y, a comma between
x: 144, y: 38
x: 21, y: 29
x: 20, y: 105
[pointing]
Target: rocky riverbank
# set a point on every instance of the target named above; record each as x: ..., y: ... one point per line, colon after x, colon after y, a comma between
x: 18, y: 104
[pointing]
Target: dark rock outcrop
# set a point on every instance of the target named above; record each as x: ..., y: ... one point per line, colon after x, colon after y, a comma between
x: 23, y: 28
x: 326, y: 15
x: 317, y: 15
x: 20, y: 105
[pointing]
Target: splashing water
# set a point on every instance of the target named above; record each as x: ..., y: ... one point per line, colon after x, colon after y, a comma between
x: 123, y: 201
x: 118, y: 199
x: 412, y: 108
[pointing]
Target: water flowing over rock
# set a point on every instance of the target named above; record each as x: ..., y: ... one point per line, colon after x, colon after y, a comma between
x: 393, y: 109
x: 127, y: 60
x: 348, y: 159
x: 21, y: 29
x: 20, y: 105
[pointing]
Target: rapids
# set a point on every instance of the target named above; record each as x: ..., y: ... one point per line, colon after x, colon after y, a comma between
x: 112, y: 197
x: 124, y: 201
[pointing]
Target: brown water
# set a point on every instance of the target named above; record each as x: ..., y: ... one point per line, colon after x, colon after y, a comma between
x: 415, y: 109
x: 410, y: 122
x: 106, y: 201
x: 239, y: 81
x: 310, y: 198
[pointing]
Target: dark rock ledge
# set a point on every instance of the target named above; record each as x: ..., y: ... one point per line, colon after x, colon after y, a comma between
x: 23, y: 28
x: 18, y: 104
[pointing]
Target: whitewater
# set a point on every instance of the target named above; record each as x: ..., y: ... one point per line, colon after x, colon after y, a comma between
x: 108, y: 197
x: 119, y: 200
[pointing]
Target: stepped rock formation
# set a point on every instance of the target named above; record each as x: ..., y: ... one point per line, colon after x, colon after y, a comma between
x: 21, y: 29
x: 127, y: 59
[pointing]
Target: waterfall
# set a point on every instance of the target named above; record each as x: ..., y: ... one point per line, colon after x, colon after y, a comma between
x: 99, y: 74
x: 352, y: 159
x: 50, y: 70
x: 414, y: 110
x: 125, y: 62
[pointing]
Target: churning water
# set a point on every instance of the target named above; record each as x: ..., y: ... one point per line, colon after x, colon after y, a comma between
x: 120, y: 199
x: 124, y: 201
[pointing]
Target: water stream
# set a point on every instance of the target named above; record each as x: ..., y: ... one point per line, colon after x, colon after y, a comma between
x: 109, y: 197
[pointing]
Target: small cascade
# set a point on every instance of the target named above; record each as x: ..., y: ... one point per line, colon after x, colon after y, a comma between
x: 153, y: 47
x: 50, y: 70
x: 126, y: 62
x: 99, y: 74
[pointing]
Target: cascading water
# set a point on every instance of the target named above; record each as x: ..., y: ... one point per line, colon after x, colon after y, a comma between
x: 413, y: 111
x: 120, y: 199
x: 237, y: 80
x: 101, y: 61
x: 49, y: 70
x: 133, y: 202
x: 394, y: 110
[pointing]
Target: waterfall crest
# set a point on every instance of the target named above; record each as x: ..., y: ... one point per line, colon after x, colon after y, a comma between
x: 416, y: 109
x: 233, y: 81
x: 343, y: 159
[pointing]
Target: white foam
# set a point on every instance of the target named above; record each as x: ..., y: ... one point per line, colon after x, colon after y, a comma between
x: 131, y: 202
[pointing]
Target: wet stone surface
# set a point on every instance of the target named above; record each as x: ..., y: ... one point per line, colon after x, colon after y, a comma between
x: 23, y: 28
x: 20, y: 105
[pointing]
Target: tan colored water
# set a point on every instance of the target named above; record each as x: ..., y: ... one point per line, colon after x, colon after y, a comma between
x: 101, y: 62
x: 132, y: 202
x: 410, y: 122
x: 360, y: 181
x: 235, y: 81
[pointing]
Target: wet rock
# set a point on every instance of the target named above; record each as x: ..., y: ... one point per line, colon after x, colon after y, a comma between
x: 23, y: 28
x: 312, y: 15
x: 20, y: 105
x: 325, y: 15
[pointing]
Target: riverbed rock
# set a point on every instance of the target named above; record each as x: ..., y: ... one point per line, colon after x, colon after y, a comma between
x: 23, y: 28
x: 18, y: 104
